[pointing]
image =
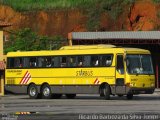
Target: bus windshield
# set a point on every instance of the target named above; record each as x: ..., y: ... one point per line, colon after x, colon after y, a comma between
x: 139, y: 64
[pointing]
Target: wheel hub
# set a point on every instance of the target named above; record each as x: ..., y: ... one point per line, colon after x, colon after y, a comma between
x: 46, y: 91
x: 32, y: 91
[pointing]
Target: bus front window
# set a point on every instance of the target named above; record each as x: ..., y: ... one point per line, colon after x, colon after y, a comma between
x: 139, y: 64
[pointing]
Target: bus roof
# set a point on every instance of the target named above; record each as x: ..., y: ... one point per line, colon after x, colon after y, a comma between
x: 82, y: 49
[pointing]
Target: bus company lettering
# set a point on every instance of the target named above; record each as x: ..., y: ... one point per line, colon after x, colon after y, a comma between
x: 18, y: 72
x: 84, y: 73
x: 14, y: 71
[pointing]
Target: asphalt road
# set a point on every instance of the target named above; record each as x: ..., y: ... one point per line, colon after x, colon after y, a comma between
x: 80, y: 107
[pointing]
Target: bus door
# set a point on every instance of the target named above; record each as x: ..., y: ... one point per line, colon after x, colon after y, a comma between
x: 120, y: 75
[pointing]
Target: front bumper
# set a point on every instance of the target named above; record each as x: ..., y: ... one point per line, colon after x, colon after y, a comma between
x: 140, y: 90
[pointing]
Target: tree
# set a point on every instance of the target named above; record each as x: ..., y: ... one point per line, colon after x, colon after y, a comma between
x: 26, y: 40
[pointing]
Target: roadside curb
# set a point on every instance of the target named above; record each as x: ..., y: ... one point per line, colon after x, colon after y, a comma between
x: 157, y: 90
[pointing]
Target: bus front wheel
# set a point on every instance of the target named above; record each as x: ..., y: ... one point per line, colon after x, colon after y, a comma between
x: 46, y: 92
x: 107, y: 92
x: 33, y: 91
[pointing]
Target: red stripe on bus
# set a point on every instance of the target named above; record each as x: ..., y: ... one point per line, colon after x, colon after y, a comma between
x: 23, y: 77
x: 28, y: 77
x: 95, y: 81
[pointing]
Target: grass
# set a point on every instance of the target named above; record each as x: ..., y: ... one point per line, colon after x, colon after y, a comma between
x: 28, y: 5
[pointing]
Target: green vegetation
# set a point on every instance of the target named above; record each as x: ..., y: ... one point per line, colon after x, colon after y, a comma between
x: 26, y: 40
x: 93, y: 23
x: 156, y: 1
x: 29, y: 5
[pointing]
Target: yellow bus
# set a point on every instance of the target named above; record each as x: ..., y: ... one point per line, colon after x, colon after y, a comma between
x: 92, y: 69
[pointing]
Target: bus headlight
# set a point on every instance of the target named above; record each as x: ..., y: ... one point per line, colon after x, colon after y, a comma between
x: 133, y: 84
x: 152, y: 85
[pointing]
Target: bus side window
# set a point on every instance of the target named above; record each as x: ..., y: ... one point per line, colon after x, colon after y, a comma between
x: 87, y: 61
x: 94, y: 61
x: 48, y: 62
x: 63, y: 62
x: 120, y: 64
x: 57, y: 62
x: 106, y: 60
x: 41, y: 62
x: 25, y: 62
x: 10, y: 62
x: 17, y: 62
x: 80, y: 61
x: 72, y: 61
x: 33, y: 62
x: 52, y: 61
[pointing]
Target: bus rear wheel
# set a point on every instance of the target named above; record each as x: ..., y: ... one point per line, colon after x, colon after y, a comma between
x: 70, y: 96
x: 33, y: 91
x: 46, y: 92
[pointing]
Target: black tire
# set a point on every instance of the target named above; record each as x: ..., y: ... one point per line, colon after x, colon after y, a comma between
x: 70, y: 96
x: 129, y: 96
x: 46, y: 92
x: 56, y: 96
x: 101, y: 93
x: 107, y: 92
x: 33, y: 91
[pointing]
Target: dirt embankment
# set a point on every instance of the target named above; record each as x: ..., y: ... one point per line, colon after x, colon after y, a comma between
x: 44, y: 22
x: 141, y: 15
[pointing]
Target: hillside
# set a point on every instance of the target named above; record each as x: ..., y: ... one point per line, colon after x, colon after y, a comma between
x: 59, y: 18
